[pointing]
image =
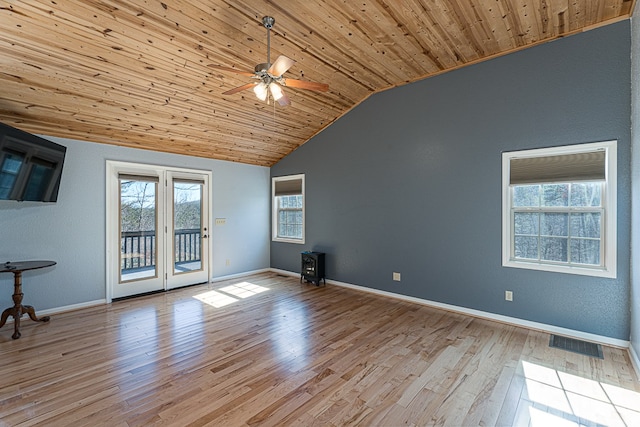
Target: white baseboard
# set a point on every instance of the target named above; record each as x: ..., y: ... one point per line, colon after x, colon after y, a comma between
x: 235, y: 276
x: 284, y: 272
x: 482, y: 314
x: 72, y: 307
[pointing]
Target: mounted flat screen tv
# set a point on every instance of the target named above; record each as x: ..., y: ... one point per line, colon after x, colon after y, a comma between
x: 30, y: 166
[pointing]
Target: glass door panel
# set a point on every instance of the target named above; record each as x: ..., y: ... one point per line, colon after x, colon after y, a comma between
x: 138, y: 226
x: 187, y: 226
x: 135, y: 220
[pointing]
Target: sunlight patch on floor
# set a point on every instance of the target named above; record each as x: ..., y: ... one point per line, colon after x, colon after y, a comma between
x: 230, y: 294
x: 215, y: 299
x: 557, y: 398
x: 244, y: 289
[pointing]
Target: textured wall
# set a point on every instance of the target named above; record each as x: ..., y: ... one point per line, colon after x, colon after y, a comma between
x: 72, y: 231
x: 635, y: 179
x: 410, y: 181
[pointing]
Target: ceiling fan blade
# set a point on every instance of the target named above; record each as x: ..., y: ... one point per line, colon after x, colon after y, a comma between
x: 284, y: 100
x: 231, y: 70
x: 303, y: 84
x: 239, y: 89
x: 281, y: 65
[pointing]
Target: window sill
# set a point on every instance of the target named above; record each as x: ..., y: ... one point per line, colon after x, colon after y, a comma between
x: 285, y: 240
x: 582, y: 271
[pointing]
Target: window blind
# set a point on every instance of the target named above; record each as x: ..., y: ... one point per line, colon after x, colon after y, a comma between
x: 289, y: 187
x: 189, y: 181
x: 143, y: 178
x: 587, y: 166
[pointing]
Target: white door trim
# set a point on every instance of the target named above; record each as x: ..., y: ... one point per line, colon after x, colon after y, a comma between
x: 113, y: 168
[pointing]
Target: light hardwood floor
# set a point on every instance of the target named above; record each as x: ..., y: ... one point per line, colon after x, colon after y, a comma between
x: 266, y: 350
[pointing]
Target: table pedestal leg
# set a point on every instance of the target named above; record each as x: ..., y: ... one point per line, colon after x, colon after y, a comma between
x: 18, y: 309
x: 32, y: 314
x: 5, y: 314
x: 16, y: 324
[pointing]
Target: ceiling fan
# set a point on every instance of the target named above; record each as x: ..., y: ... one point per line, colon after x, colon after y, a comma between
x: 269, y: 75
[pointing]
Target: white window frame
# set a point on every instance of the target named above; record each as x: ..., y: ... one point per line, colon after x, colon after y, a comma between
x: 609, y: 217
x: 274, y: 212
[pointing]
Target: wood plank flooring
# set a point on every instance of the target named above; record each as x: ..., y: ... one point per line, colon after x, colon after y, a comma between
x: 266, y: 350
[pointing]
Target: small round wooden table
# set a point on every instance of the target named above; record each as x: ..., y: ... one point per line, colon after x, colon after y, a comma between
x: 18, y: 309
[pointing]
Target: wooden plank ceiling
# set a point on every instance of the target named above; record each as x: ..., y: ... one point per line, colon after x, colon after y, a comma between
x: 135, y: 72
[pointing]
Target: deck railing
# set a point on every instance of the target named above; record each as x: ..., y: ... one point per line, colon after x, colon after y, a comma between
x: 138, y: 248
x: 187, y: 245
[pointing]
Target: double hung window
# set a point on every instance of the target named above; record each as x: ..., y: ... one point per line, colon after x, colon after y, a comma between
x: 559, y: 209
x: 288, y: 208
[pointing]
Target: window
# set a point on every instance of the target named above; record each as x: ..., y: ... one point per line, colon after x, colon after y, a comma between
x: 288, y: 208
x: 559, y: 209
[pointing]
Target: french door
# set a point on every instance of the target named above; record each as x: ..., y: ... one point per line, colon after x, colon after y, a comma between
x: 158, y: 226
x: 186, y: 231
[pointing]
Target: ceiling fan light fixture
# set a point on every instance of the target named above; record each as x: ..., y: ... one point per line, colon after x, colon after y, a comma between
x: 276, y: 91
x: 261, y: 91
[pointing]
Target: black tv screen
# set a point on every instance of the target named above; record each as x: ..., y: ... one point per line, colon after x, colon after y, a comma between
x: 30, y: 166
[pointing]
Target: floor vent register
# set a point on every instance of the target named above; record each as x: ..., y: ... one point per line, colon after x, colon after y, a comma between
x: 576, y: 346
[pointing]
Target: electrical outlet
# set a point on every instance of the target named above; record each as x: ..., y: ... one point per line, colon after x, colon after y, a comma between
x: 221, y: 221
x: 396, y: 276
x: 508, y: 295
x: 228, y: 263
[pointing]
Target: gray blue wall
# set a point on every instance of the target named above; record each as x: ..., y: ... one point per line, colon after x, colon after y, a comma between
x: 410, y: 181
x: 635, y: 179
x: 72, y: 231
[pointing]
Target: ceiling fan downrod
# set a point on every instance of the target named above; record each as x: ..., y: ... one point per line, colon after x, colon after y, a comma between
x: 268, y: 22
